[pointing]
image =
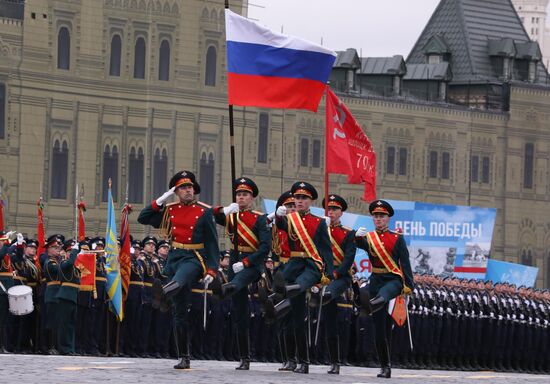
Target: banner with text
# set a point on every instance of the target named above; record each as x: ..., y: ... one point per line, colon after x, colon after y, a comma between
x: 518, y: 274
x: 442, y: 239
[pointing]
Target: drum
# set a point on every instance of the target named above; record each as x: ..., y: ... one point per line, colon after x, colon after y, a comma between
x: 20, y: 300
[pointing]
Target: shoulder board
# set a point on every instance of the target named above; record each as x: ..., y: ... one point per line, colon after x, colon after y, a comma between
x: 258, y: 212
x: 170, y: 204
x: 203, y: 204
x: 394, y: 232
x: 315, y: 216
x: 347, y: 228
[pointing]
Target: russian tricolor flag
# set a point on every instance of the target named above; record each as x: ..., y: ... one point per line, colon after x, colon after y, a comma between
x: 272, y: 70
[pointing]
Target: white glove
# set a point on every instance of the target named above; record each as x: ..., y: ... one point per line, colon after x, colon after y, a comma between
x: 361, y: 231
x: 281, y: 211
x: 231, y: 208
x: 207, y: 280
x: 327, y: 220
x: 132, y: 250
x: 94, y: 246
x: 168, y: 194
x: 271, y: 217
x: 237, y: 267
x: 314, y: 289
x: 20, y: 239
x: 76, y: 246
x: 10, y: 234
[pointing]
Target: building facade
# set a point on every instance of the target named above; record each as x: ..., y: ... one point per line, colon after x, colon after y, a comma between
x: 533, y: 15
x: 135, y: 90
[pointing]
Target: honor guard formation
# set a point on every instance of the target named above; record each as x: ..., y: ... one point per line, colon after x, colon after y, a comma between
x: 285, y: 291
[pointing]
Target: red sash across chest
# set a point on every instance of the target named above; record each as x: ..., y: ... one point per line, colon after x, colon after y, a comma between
x: 388, y: 239
x: 247, y: 220
x: 311, y: 223
x: 338, y: 234
x: 183, y: 219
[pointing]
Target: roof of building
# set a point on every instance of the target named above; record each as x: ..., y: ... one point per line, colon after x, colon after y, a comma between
x: 347, y: 59
x: 439, y: 72
x: 383, y: 66
x: 468, y: 27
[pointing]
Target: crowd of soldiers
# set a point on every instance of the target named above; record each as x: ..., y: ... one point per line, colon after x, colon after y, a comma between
x: 255, y: 305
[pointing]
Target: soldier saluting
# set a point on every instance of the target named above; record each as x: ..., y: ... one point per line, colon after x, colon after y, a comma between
x: 246, y: 262
x: 190, y: 226
x: 391, y: 276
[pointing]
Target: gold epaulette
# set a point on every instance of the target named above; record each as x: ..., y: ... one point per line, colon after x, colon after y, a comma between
x: 347, y: 228
x: 203, y: 204
x: 258, y: 213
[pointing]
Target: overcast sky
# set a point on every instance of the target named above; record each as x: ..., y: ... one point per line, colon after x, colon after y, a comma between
x: 377, y: 27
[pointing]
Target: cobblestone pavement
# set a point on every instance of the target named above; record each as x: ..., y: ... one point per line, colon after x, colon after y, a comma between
x: 65, y: 369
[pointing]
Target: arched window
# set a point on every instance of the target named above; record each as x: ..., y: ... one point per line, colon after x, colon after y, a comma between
x: 63, y: 48
x: 485, y: 169
x: 210, y: 76
x: 207, y: 178
x: 446, y: 165
x: 304, y: 152
x: 110, y: 170
x: 60, y: 164
x: 160, y: 172
x: 390, y: 161
x: 139, y: 59
x: 263, y: 129
x: 135, y: 176
x: 474, y: 172
x: 432, y: 170
x: 116, y: 46
x: 164, y: 60
x: 316, y: 161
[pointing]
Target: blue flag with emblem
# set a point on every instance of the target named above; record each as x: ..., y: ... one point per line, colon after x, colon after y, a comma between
x: 114, y: 286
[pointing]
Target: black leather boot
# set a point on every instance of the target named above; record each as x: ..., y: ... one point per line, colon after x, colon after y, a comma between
x: 278, y: 310
x: 228, y: 290
x: 303, y: 353
x: 334, y: 355
x: 290, y: 346
x: 183, y: 348
x: 170, y: 290
x: 384, y: 358
x: 244, y: 350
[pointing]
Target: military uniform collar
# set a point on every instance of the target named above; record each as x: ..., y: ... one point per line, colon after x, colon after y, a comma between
x: 245, y: 209
x: 381, y: 231
x: 304, y: 213
x: 338, y: 224
x: 194, y: 201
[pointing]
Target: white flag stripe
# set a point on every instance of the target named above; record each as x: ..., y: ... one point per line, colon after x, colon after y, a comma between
x: 242, y: 30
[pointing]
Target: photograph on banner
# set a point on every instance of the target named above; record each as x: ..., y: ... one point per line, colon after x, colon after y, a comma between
x: 512, y: 273
x: 442, y: 239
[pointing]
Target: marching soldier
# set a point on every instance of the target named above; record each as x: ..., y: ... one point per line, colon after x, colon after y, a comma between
x: 310, y: 261
x: 391, y: 276
x: 280, y: 249
x: 194, y: 255
x: 98, y: 319
x: 342, y: 240
x: 247, y: 261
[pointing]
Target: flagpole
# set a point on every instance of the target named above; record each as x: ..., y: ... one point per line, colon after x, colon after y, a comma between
x: 233, y: 172
x: 76, y: 213
x: 326, y: 147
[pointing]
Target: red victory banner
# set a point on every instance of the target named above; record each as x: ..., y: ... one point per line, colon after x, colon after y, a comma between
x: 348, y: 150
